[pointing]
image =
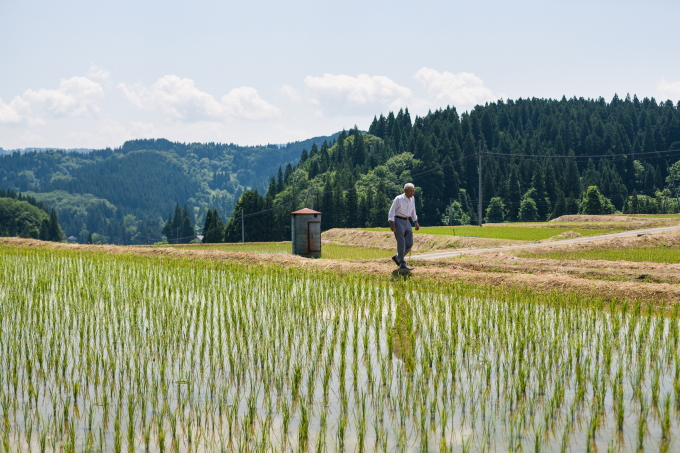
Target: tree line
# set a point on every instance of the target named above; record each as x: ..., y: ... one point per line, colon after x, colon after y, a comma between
x: 26, y: 217
x: 541, y: 158
x: 122, y: 195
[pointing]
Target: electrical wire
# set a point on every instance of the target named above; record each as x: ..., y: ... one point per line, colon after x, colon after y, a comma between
x: 441, y: 167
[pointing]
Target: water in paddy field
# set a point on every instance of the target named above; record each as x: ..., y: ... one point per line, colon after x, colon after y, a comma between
x: 106, y: 354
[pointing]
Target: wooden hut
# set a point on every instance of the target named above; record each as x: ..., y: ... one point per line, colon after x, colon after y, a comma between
x: 306, y: 233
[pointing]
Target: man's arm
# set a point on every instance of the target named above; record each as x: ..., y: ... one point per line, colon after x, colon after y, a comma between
x: 390, y: 215
x: 414, y: 216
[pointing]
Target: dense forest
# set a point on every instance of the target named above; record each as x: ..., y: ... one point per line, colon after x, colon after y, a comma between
x: 26, y: 217
x: 541, y: 158
x: 124, y: 195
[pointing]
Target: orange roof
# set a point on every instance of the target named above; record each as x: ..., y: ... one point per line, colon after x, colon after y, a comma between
x: 305, y: 211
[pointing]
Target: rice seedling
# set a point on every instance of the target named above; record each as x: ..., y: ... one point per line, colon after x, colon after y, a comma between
x: 128, y: 353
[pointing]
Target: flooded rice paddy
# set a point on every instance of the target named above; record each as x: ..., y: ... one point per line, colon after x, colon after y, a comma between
x: 125, y: 353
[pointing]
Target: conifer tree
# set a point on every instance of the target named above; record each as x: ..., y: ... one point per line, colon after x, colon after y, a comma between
x: 328, y: 206
x: 280, y: 183
x: 213, y: 230
x: 54, y: 232
x: 250, y: 202
x: 187, y: 232
x: 208, y: 225
x: 351, y: 208
x: 572, y: 206
x: 572, y: 177
x: 560, y: 208
x: 44, y: 230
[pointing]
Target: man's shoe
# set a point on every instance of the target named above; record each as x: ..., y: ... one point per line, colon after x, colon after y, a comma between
x: 396, y: 261
x: 404, y: 267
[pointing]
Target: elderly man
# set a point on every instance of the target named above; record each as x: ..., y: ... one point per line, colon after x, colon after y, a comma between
x: 403, y: 210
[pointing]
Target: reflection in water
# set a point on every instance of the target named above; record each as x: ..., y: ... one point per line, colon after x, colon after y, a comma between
x: 403, y: 331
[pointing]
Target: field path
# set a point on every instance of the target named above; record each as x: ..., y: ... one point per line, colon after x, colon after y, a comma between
x: 449, y: 254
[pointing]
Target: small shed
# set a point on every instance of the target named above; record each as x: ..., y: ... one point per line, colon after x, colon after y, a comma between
x: 306, y: 233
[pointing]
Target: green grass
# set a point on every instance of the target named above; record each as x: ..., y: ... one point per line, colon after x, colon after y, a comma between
x: 519, y: 233
x: 329, y: 251
x: 647, y: 254
x: 655, y: 216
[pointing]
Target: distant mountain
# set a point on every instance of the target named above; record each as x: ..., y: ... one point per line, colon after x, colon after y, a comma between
x: 28, y: 150
x: 124, y: 195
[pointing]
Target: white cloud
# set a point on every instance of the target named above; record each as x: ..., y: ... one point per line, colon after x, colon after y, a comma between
x: 244, y: 102
x: 290, y: 92
x: 284, y: 134
x: 669, y: 90
x: 98, y: 73
x: 77, y: 96
x: 179, y: 98
x: 15, y: 112
x: 463, y: 90
x: 347, y: 95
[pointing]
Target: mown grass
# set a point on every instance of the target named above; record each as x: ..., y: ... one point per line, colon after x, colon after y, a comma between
x: 662, y: 254
x: 519, y: 233
x: 328, y: 251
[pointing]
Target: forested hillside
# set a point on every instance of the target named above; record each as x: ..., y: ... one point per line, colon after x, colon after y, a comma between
x: 124, y: 195
x: 26, y: 217
x: 541, y: 158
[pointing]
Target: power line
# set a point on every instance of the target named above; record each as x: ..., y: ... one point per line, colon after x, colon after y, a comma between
x: 559, y: 156
x: 441, y: 167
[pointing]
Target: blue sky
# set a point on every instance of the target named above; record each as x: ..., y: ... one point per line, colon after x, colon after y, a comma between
x: 94, y: 73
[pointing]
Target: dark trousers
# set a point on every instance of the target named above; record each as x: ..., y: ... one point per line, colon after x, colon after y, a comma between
x: 404, y: 236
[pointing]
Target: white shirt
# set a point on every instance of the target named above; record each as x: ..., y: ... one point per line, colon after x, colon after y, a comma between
x: 403, y: 207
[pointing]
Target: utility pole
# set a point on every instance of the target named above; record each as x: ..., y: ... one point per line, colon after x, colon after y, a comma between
x: 309, y: 192
x: 479, y: 193
x: 243, y: 233
x: 177, y: 236
x: 450, y: 211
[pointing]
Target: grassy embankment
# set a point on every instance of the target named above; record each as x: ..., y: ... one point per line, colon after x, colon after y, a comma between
x: 663, y: 254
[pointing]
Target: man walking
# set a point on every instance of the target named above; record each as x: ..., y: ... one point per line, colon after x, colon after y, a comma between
x: 403, y: 210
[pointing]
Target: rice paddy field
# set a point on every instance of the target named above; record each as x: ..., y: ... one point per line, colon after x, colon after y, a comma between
x: 330, y: 251
x: 128, y: 353
x: 662, y: 254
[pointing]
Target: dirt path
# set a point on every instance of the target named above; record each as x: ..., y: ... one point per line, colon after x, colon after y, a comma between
x: 625, y: 234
